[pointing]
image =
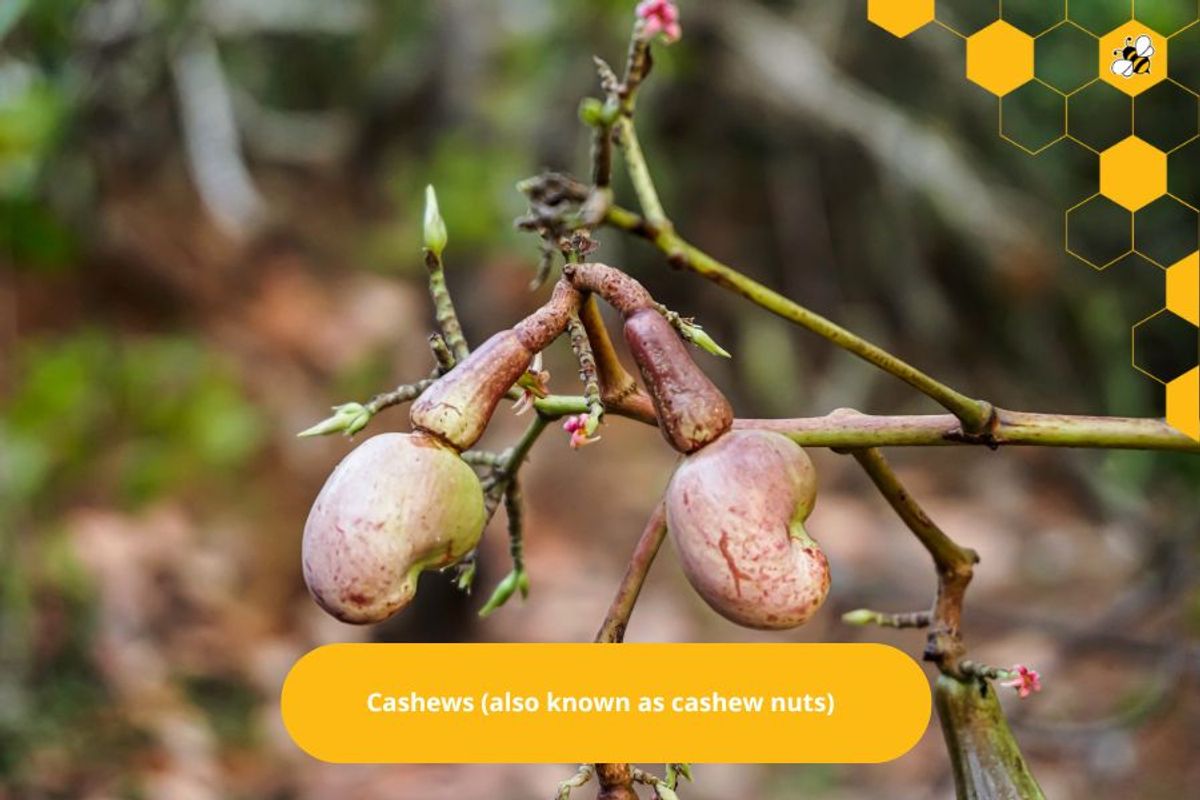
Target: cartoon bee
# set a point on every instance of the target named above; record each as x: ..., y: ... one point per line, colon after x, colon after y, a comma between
x: 1134, y: 57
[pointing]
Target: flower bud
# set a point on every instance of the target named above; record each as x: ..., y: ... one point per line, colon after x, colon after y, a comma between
x: 860, y: 616
x: 591, y: 112
x: 435, y: 226
x: 699, y: 337
x: 691, y: 410
x: 735, y: 511
x: 397, y: 505
x: 459, y: 405
x: 348, y: 418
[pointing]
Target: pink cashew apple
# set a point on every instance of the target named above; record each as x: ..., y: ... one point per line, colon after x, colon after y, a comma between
x: 399, y: 504
x: 736, y: 510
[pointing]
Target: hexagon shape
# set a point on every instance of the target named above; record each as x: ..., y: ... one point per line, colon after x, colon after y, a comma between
x: 1166, y: 230
x: 1133, y: 173
x: 1099, y: 16
x: 967, y: 16
x: 1166, y: 115
x: 1033, y: 16
x: 1168, y: 16
x: 1099, y: 232
x: 1065, y: 57
x: 1183, y: 173
x: 1033, y: 117
x: 1099, y: 116
x: 1183, y: 403
x: 1165, y: 346
x: 1119, y: 47
x: 1185, y: 61
x: 1000, y: 58
x: 1183, y: 288
x: 900, y: 17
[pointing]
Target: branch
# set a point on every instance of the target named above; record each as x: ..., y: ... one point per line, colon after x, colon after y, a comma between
x: 974, y: 414
x: 404, y: 393
x: 848, y: 429
x: 447, y: 317
x: 954, y: 563
x: 615, y: 622
x: 616, y: 782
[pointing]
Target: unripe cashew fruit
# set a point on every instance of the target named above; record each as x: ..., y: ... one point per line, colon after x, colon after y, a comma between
x: 735, y: 510
x: 691, y: 410
x: 397, y: 505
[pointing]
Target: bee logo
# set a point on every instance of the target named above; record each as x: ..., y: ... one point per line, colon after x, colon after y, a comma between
x: 1134, y: 57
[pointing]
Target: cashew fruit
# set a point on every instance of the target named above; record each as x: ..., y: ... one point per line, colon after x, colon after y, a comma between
x: 735, y: 511
x: 397, y: 505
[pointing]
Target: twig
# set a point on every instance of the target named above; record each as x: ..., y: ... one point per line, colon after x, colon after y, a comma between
x: 953, y: 562
x: 866, y: 616
x: 510, y: 462
x: 588, y: 372
x: 447, y: 318
x: 580, y: 778
x: 441, y: 353
x: 404, y: 393
x: 617, y: 618
x: 639, y: 176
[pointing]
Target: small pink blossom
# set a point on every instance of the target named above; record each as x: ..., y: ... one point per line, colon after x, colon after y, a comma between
x: 577, y: 427
x: 534, y: 385
x: 659, y: 17
x: 1025, y: 680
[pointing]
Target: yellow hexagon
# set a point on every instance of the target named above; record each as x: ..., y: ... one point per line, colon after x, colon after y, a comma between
x: 1132, y: 173
x: 1183, y: 288
x: 900, y: 17
x: 1000, y: 58
x: 1183, y: 403
x: 1122, y: 62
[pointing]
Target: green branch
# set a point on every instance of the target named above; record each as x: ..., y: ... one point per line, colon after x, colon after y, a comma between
x: 845, y: 429
x: 954, y: 563
x: 974, y: 414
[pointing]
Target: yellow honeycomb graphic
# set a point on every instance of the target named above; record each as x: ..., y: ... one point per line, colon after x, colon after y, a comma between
x: 1183, y: 398
x: 1106, y: 61
x: 900, y: 17
x: 1132, y: 173
x: 1000, y: 58
x: 1183, y: 289
x: 1135, y: 57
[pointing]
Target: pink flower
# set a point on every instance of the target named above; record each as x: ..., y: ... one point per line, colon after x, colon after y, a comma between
x: 534, y: 385
x: 1025, y: 680
x: 659, y: 17
x: 577, y: 427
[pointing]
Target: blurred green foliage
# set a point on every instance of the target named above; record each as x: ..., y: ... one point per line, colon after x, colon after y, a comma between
x: 161, y: 412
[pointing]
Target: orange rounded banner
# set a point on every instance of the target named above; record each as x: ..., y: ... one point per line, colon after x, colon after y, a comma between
x: 575, y: 703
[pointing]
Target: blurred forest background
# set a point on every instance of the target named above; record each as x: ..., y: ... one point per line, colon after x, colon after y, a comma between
x: 210, y: 233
